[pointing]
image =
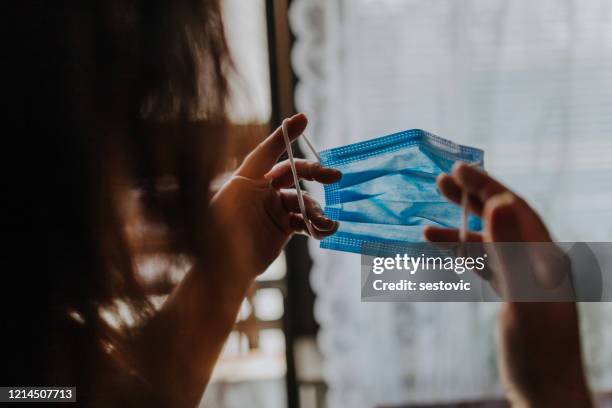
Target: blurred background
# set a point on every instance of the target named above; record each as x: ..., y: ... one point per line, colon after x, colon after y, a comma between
x: 529, y: 82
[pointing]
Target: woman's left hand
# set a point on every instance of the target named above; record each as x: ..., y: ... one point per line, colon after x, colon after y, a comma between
x: 539, y: 349
x: 255, y: 210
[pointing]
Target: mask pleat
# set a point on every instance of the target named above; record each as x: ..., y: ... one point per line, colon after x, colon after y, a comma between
x: 388, y: 191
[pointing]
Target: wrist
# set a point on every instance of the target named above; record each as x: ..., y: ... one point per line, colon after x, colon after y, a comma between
x: 207, y: 299
x: 577, y: 397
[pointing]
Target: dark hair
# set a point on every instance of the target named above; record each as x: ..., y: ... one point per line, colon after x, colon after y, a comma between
x: 116, y: 99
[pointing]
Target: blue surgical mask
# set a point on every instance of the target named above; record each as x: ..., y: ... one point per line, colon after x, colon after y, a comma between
x: 388, y: 191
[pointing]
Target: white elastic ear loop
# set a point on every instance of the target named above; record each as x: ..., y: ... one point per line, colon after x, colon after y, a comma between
x: 296, y: 179
x: 311, y: 147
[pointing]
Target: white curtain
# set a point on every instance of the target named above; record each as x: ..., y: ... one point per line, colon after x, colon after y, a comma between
x: 530, y: 82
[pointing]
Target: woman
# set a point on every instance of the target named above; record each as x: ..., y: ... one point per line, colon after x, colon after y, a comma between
x: 119, y: 131
x: 539, y: 343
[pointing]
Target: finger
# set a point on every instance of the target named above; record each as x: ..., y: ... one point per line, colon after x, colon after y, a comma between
x: 486, y: 274
x: 267, y: 153
x: 313, y: 210
x: 493, y: 279
x: 282, y: 177
x: 510, y: 219
x: 448, y: 239
x: 502, y: 215
x: 482, y: 186
x: 476, y: 182
x: 451, y: 190
x: 502, y: 218
x: 437, y: 234
x: 298, y: 225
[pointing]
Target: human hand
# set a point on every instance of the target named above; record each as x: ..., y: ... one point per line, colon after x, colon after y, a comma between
x: 257, y: 211
x: 539, y: 343
x: 508, y: 218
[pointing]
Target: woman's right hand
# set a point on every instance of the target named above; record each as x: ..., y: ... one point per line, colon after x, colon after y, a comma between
x: 258, y: 206
x: 539, y: 350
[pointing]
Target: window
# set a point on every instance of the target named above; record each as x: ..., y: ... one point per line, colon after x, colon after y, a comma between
x: 531, y: 84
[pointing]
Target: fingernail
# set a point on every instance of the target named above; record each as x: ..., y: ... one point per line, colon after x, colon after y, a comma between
x: 324, y: 224
x: 505, y: 198
x: 334, y: 172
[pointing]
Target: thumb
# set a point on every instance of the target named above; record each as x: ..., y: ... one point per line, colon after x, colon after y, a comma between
x: 523, y: 245
x: 510, y: 219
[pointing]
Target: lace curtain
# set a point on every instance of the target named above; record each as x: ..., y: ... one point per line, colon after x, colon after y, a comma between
x: 531, y: 84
